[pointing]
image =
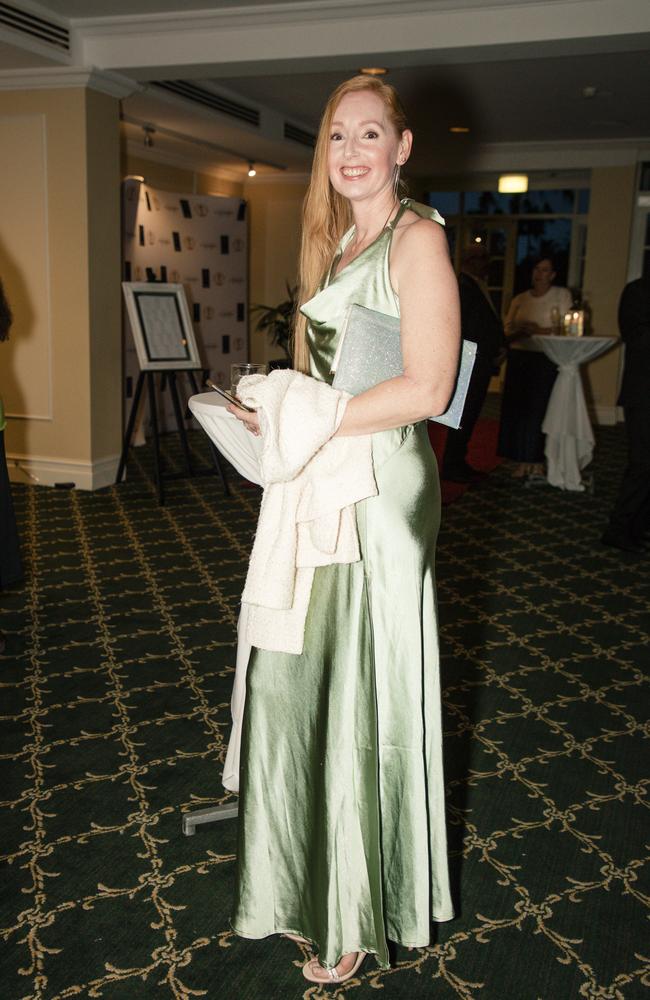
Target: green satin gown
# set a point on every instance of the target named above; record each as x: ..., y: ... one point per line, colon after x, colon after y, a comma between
x: 341, y: 822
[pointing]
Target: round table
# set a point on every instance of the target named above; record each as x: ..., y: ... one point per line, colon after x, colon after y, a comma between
x: 239, y: 446
x: 569, y: 437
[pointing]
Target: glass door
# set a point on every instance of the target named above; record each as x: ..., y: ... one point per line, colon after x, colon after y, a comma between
x: 498, y: 235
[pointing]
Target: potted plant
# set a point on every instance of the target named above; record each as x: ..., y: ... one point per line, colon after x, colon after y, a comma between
x: 277, y: 323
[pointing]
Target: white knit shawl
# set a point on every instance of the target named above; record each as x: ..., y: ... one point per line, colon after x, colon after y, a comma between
x: 307, y: 518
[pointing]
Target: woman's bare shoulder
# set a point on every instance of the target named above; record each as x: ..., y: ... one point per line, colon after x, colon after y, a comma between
x: 413, y: 235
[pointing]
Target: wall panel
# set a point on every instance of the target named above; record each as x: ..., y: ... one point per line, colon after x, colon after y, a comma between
x: 26, y: 360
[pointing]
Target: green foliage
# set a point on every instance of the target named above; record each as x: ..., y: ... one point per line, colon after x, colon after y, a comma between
x: 277, y: 321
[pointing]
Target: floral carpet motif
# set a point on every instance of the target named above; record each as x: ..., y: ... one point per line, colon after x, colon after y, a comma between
x: 115, y: 691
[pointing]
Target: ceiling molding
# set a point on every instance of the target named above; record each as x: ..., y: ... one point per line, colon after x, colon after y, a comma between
x: 555, y: 155
x: 66, y: 77
x: 412, y: 29
x: 300, y: 10
x: 607, y: 145
x: 140, y: 152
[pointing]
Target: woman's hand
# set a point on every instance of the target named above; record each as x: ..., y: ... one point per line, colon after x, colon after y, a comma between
x: 521, y: 330
x: 250, y: 420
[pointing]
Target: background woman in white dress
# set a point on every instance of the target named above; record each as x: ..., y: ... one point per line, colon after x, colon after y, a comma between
x: 530, y: 374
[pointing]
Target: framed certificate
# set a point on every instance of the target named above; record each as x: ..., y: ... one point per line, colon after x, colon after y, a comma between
x: 161, y: 326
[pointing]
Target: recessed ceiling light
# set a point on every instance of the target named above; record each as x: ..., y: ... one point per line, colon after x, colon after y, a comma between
x: 458, y: 128
x: 373, y: 70
x: 512, y: 183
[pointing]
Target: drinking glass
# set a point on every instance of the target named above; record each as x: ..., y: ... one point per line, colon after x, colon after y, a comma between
x: 239, y: 369
x: 555, y: 320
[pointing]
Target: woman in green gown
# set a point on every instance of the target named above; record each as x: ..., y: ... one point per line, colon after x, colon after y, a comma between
x: 342, y: 829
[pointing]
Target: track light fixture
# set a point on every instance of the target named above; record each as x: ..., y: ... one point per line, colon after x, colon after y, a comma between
x: 150, y: 130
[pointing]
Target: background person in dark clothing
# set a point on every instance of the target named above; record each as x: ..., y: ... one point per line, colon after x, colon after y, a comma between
x: 481, y: 324
x: 10, y: 566
x: 630, y: 517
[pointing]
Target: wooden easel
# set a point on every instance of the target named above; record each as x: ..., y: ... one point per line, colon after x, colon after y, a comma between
x: 170, y: 376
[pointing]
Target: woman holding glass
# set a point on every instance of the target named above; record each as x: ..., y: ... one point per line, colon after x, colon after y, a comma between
x: 342, y: 832
x: 530, y: 374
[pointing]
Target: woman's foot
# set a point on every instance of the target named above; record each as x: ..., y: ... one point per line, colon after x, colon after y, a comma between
x: 314, y: 972
x: 297, y: 938
x: 521, y: 470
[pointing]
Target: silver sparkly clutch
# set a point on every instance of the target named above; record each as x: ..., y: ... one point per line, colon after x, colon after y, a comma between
x: 370, y: 352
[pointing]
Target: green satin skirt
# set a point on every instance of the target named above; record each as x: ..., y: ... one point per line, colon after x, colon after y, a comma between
x: 341, y: 820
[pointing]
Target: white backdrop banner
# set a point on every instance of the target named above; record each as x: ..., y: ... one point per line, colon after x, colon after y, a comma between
x: 200, y: 241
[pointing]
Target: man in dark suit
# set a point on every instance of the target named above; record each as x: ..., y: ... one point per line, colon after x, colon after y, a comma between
x: 630, y: 517
x: 480, y: 323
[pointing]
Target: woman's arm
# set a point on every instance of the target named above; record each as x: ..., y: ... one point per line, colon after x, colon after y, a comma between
x: 515, y: 327
x: 422, y: 276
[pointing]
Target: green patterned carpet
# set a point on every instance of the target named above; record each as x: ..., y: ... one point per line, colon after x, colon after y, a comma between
x: 115, y: 690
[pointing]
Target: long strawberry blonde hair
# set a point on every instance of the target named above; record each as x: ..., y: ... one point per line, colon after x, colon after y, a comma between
x: 326, y: 214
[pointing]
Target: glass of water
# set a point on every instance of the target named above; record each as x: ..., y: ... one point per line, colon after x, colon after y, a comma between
x: 239, y: 369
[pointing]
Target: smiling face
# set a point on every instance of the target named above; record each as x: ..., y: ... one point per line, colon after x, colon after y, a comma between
x: 364, y: 147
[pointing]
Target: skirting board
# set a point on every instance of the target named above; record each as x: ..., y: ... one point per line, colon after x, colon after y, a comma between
x: 37, y: 471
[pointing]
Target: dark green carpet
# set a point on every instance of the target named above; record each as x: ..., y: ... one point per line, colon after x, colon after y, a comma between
x: 115, y: 691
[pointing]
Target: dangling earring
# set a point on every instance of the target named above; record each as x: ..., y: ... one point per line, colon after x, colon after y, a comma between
x: 398, y: 168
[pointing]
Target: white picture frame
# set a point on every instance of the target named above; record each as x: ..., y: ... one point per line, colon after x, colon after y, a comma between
x: 161, y: 326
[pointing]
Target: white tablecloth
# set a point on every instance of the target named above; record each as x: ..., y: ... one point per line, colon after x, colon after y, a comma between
x: 238, y: 445
x: 569, y: 437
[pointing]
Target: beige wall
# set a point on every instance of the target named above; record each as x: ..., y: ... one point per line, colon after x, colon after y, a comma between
x: 274, y: 212
x: 59, y: 257
x: 104, y: 273
x: 608, y: 240
x: 24, y: 265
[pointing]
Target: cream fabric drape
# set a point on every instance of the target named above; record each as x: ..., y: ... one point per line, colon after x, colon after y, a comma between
x: 569, y: 437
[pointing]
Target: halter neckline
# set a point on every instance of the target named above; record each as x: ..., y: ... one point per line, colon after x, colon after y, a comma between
x: 389, y: 227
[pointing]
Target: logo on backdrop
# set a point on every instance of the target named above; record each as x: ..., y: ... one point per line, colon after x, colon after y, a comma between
x: 200, y: 242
